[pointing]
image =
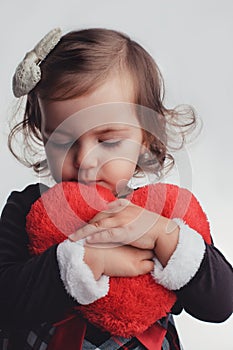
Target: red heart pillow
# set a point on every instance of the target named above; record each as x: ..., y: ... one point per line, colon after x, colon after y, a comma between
x: 132, y: 304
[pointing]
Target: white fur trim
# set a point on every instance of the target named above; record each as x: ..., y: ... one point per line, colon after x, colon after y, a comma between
x: 77, y: 277
x: 184, y: 262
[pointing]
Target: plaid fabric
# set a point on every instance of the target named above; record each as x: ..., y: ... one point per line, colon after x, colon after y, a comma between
x: 171, y: 340
x: 38, y: 339
x: 115, y: 343
x: 35, y: 339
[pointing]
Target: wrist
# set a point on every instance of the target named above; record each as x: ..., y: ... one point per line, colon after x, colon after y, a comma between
x: 167, y: 240
x: 185, y: 260
x: 76, y: 275
x: 95, y: 261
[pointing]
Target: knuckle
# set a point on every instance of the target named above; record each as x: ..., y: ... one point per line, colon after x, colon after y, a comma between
x: 110, y: 233
x: 104, y: 222
x: 123, y: 203
x: 101, y: 223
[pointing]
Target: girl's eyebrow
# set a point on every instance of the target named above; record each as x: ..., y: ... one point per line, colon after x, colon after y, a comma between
x: 109, y: 129
x: 103, y: 130
x: 48, y: 131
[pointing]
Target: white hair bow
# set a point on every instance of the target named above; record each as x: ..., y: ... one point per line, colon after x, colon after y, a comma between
x: 28, y: 73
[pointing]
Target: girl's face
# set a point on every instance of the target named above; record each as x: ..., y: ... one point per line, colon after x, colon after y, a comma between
x: 95, y: 138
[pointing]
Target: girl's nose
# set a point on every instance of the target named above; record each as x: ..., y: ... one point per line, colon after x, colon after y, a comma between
x: 85, y: 157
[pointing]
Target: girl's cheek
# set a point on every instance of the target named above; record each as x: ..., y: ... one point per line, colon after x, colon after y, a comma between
x: 58, y: 165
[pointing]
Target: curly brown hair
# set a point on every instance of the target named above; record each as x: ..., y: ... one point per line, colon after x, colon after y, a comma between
x: 80, y: 63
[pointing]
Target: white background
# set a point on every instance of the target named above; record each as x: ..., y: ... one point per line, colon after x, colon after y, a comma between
x: 192, y: 44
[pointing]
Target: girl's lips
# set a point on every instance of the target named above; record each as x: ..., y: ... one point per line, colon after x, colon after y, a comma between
x: 93, y: 183
x: 98, y: 182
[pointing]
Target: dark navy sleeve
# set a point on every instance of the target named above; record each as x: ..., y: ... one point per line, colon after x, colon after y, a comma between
x: 208, y: 296
x: 31, y: 290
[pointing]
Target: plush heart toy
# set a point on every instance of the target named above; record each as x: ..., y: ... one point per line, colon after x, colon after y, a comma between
x: 132, y: 304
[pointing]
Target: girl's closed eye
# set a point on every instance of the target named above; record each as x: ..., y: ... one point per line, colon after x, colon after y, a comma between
x: 62, y: 145
x: 111, y: 143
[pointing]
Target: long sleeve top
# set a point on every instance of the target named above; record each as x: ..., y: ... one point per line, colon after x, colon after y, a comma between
x: 32, y: 291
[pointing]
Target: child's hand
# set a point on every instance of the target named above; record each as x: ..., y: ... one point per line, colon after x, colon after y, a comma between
x: 123, y: 261
x: 127, y: 223
x: 123, y: 223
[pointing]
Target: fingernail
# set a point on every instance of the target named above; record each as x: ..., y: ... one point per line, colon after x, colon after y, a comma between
x: 72, y: 237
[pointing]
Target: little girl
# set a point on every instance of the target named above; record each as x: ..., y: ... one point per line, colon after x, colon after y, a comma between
x: 95, y: 102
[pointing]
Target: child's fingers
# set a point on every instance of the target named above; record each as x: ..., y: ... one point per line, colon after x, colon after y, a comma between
x: 106, y: 222
x: 98, y: 224
x: 146, y: 266
x: 109, y: 235
x: 112, y: 208
x: 118, y: 204
x: 118, y: 215
x: 147, y: 254
x: 84, y: 232
x: 98, y: 218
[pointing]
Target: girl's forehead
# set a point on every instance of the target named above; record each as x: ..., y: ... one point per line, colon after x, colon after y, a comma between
x: 116, y: 88
x: 107, y: 116
x: 112, y: 102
